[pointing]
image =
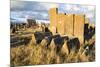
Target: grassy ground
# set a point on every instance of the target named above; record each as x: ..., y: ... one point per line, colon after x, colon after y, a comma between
x: 34, y: 54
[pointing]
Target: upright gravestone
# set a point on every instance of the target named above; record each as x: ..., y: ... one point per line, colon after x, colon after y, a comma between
x: 79, y: 21
x: 60, y: 23
x: 53, y: 19
x: 69, y: 25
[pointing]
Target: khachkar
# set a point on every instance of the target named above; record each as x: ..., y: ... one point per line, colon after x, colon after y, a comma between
x: 53, y: 20
x: 79, y: 22
x: 61, y: 23
x: 67, y: 24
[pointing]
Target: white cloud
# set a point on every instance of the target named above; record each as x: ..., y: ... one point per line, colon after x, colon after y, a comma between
x: 89, y: 15
x: 48, y: 5
x: 45, y: 21
x: 16, y: 4
x: 68, y: 7
x: 45, y: 15
x: 76, y: 8
x: 90, y: 8
x: 39, y: 10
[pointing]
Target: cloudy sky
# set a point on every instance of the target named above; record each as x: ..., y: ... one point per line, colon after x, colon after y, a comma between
x: 21, y: 10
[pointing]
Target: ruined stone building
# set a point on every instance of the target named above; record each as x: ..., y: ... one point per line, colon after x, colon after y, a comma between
x: 67, y: 24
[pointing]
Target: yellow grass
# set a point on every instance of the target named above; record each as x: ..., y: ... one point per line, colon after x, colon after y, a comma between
x: 34, y: 54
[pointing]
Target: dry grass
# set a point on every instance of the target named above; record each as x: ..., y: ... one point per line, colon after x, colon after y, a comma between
x: 34, y: 54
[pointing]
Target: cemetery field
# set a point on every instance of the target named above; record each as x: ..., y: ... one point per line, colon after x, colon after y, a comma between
x: 27, y: 49
x: 42, y: 35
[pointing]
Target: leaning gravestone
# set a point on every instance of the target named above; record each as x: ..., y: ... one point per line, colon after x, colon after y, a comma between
x: 59, y: 42
x: 73, y: 44
x: 39, y: 36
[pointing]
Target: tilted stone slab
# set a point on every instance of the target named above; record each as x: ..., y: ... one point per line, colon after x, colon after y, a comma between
x: 73, y: 44
x: 39, y: 36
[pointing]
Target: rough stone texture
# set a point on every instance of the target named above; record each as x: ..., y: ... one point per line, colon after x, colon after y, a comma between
x: 73, y: 44
x: 70, y: 24
x: 79, y: 21
x: 60, y: 24
x: 53, y: 19
x: 69, y: 30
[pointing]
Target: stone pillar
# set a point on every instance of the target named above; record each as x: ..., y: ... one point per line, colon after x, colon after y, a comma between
x: 53, y: 19
x: 79, y: 21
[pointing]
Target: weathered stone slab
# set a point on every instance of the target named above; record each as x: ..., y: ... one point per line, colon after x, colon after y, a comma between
x: 73, y: 44
x: 69, y: 28
x: 39, y: 36
x: 60, y: 24
x: 53, y: 19
x: 70, y: 24
x: 79, y: 21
